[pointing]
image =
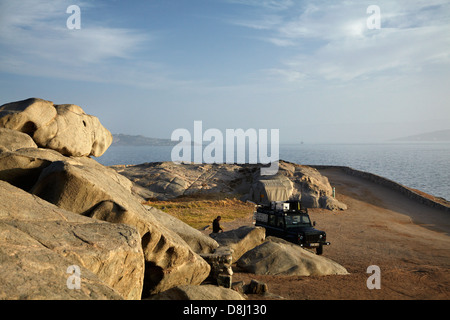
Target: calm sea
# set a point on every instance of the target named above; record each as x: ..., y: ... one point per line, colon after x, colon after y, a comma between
x: 423, y: 166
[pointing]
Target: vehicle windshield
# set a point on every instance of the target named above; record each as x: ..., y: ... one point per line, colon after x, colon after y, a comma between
x: 296, y: 220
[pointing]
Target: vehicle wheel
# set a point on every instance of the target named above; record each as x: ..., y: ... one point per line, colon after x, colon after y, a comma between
x: 319, y: 250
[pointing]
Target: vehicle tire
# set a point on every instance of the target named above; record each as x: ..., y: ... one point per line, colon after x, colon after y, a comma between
x: 319, y: 250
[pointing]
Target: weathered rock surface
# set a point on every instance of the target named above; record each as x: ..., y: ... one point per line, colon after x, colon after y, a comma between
x: 256, y: 287
x: 39, y: 241
x: 85, y: 187
x: 79, y: 186
x: 11, y: 140
x: 221, y: 261
x: 166, y: 180
x: 199, y: 242
x: 331, y: 203
x: 203, y: 292
x: 240, y: 240
x: 65, y: 128
x: 22, y: 167
x: 278, y: 257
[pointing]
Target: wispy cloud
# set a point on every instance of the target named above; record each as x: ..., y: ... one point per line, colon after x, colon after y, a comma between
x: 35, y: 40
x: 265, y: 22
x: 268, y: 4
x: 319, y: 40
x: 334, y: 42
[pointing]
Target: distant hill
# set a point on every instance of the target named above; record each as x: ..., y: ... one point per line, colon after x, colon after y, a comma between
x: 130, y: 140
x: 435, y: 136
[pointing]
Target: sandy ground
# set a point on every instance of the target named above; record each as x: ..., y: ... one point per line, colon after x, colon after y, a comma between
x: 409, y: 242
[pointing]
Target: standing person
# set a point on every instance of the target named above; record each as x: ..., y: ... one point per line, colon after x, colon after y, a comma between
x: 216, y: 225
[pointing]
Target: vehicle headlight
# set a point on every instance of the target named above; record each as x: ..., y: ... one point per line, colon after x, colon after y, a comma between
x: 321, y: 236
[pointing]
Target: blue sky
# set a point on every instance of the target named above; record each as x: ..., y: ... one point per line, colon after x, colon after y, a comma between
x: 312, y: 69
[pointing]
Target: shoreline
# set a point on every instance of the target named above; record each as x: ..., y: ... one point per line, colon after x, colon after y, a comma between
x: 421, y: 167
x: 413, y: 194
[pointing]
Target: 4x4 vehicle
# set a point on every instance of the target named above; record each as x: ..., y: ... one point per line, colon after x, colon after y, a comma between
x: 289, y: 221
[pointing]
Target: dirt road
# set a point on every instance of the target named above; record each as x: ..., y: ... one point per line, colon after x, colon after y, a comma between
x: 408, y: 241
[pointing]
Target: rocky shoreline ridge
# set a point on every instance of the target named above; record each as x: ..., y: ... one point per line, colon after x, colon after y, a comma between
x: 168, y: 180
x: 71, y: 228
x: 416, y: 195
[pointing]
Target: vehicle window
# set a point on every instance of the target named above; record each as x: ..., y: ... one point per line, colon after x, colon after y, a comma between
x: 294, y: 220
x: 305, y: 219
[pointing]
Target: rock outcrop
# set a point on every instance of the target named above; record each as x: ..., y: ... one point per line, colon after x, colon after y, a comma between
x: 22, y: 167
x: 240, y: 240
x: 167, y: 180
x: 39, y: 242
x: 221, y: 261
x: 331, y: 203
x: 199, y: 242
x: 85, y: 187
x: 65, y: 128
x: 80, y: 187
x: 278, y: 257
x: 11, y: 140
x: 203, y: 292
